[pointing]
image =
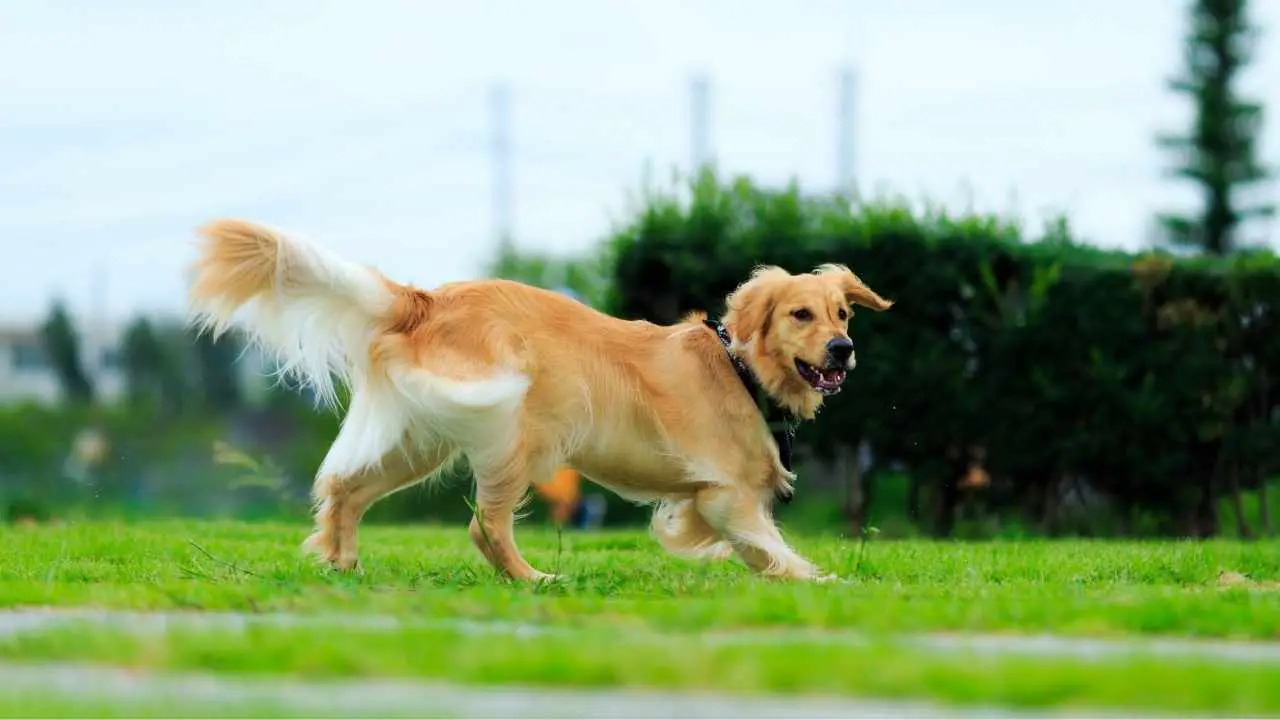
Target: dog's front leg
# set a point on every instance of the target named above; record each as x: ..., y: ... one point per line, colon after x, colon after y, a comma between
x: 744, y: 517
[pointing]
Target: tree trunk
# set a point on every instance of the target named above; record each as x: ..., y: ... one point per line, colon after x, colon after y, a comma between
x: 913, y: 499
x: 868, y: 497
x: 948, y: 498
x: 854, y: 501
x: 1207, y: 467
x: 1049, y: 506
x: 1124, y: 515
x: 1206, y: 512
x: 1264, y: 509
x: 1237, y: 504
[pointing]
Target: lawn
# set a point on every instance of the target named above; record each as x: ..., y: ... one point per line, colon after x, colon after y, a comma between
x: 627, y: 615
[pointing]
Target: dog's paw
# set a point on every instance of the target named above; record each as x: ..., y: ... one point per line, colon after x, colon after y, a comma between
x: 320, y: 546
x: 345, y: 566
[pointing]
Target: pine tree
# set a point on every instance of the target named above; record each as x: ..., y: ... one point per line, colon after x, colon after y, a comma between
x: 1218, y: 153
x: 151, y: 372
x: 218, y: 377
x: 62, y: 346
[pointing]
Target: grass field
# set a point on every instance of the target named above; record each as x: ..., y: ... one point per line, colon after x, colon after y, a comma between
x: 629, y: 616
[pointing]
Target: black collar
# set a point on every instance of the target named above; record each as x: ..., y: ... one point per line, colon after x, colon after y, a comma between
x: 782, y: 422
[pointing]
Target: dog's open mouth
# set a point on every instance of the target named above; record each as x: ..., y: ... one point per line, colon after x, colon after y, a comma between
x: 825, y: 380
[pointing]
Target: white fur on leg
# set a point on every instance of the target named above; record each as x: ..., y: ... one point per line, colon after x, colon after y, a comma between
x: 745, y: 521
x: 375, y: 425
x: 681, y: 531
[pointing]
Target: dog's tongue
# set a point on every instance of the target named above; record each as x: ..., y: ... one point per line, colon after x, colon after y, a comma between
x: 831, y: 377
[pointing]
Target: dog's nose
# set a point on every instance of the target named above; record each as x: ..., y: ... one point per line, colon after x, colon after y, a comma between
x: 840, y: 349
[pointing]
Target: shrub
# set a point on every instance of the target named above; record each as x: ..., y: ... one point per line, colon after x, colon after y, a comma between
x: 1145, y: 380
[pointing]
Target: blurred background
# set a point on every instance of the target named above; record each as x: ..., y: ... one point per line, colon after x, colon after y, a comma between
x: 1069, y: 201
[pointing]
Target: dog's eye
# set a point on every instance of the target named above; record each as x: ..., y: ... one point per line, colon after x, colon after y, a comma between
x: 844, y: 314
x: 802, y: 314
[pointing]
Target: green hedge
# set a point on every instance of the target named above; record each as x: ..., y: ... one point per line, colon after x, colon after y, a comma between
x: 1143, y: 380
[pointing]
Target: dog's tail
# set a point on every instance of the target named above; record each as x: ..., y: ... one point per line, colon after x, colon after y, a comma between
x: 315, y: 311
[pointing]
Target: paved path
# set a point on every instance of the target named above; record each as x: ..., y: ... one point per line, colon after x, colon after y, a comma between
x: 13, y: 621
x: 196, y: 693
x: 213, y: 694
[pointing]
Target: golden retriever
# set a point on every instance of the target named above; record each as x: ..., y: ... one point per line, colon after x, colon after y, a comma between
x: 522, y: 380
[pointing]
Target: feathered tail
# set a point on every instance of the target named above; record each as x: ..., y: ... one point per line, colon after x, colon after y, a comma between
x: 317, y: 312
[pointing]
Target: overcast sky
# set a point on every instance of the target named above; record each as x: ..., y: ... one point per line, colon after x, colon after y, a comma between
x: 124, y: 124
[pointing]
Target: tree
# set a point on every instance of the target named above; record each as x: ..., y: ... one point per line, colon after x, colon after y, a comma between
x: 216, y: 361
x: 142, y: 358
x: 1218, y: 153
x: 585, y: 276
x: 62, y: 345
x: 151, y: 372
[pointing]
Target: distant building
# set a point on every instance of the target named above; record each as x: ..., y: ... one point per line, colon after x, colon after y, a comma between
x: 26, y: 375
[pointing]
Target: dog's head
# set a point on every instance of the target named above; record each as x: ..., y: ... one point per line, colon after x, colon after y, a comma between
x: 793, y: 330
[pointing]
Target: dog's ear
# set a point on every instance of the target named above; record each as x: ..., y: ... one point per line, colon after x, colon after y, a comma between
x: 749, y: 309
x: 855, y: 291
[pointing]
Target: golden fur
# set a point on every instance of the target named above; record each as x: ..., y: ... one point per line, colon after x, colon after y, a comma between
x: 522, y: 380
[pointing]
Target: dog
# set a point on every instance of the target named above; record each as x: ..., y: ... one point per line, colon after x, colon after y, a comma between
x: 521, y: 380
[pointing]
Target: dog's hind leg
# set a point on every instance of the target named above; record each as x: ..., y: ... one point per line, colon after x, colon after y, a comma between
x: 342, y: 500
x: 681, y: 530
x: 371, y: 458
x: 501, y: 488
x: 744, y: 518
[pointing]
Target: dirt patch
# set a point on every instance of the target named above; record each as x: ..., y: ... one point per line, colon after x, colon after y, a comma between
x: 1231, y: 579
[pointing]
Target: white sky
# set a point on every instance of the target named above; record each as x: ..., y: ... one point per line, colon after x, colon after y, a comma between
x: 125, y: 124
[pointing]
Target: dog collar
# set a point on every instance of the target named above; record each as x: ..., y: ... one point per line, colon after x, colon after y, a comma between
x: 782, y: 423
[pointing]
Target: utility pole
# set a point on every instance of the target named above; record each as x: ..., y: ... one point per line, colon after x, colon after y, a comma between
x: 845, y: 133
x: 97, y: 339
x: 500, y: 152
x: 700, y: 122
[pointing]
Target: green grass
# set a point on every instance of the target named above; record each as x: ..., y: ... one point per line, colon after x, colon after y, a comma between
x: 630, y: 615
x: 623, y: 578
x: 605, y: 659
x: 42, y: 704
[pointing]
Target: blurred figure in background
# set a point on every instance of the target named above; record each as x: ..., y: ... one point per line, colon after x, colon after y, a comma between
x: 563, y: 493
